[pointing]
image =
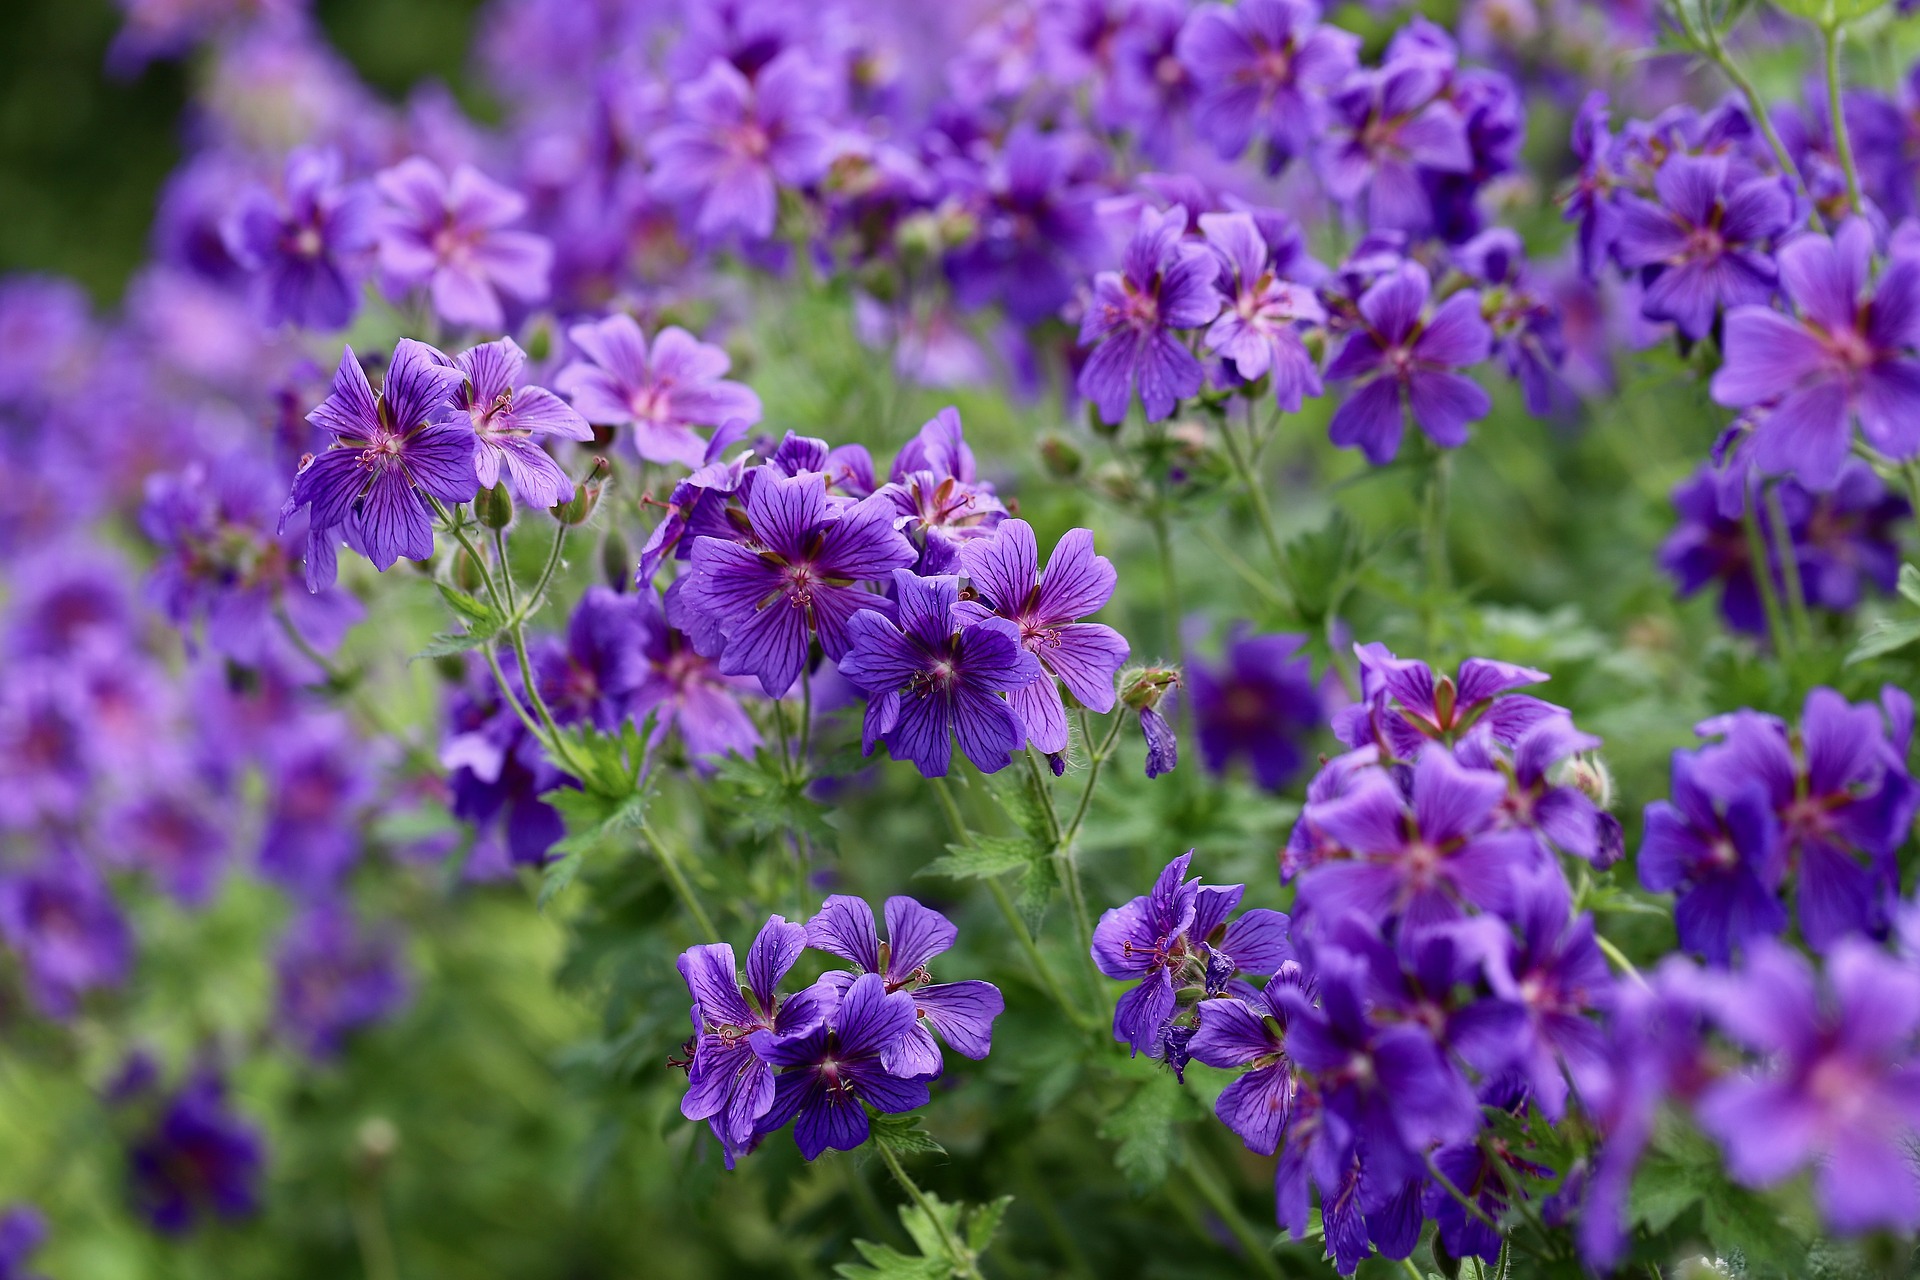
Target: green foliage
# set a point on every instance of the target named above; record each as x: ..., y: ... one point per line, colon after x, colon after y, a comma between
x: 1147, y: 1128
x: 483, y: 624
x: 971, y: 1227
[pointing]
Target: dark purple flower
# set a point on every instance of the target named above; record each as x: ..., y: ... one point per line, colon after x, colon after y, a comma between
x: 1046, y: 608
x: 1705, y: 244
x: 498, y: 773
x: 22, y: 1232
x: 1590, y: 201
x: 334, y: 978
x: 1844, y: 354
x: 593, y: 679
x: 729, y: 1084
x: 1250, y: 1034
x: 1406, y: 363
x: 1258, y: 328
x: 1163, y: 747
x: 509, y: 420
x: 932, y: 677
x: 801, y: 575
x: 1260, y: 703
x: 934, y: 486
x: 1404, y: 705
x: 734, y: 142
x: 1723, y: 860
x: 318, y: 788
x: 199, y: 1158
x: 1389, y: 127
x: 662, y: 393
x: 174, y: 835
x: 1556, y: 973
x: 1167, y: 283
x: 685, y: 692
x: 1422, y: 858
x: 833, y: 1072
x: 1036, y: 228
x: 391, y: 457
x: 307, y: 248
x: 59, y: 918
x: 1840, y: 1090
x: 1263, y: 68
x: 1176, y: 937
x: 451, y: 234
x: 50, y: 742
x: 962, y: 1012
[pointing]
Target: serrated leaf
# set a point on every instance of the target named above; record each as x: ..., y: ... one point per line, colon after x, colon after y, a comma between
x: 1034, y: 891
x: 1884, y: 637
x: 1013, y: 789
x: 883, y: 1262
x: 903, y: 1135
x: 984, y: 857
x: 448, y: 644
x: 1147, y: 1128
x: 970, y: 1227
x: 1828, y: 13
x: 756, y: 794
x: 983, y: 1224
x: 1663, y: 1190
x: 593, y: 821
x: 467, y: 606
x: 1736, y: 1218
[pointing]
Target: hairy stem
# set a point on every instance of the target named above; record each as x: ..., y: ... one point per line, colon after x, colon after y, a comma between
x: 682, y: 888
x: 1830, y: 34
x: 1208, y: 1183
x: 962, y: 1257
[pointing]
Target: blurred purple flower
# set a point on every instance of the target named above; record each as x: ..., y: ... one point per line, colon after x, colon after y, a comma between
x: 334, y: 978
x: 59, y: 917
x: 199, y: 1158
x: 306, y: 249
x: 1167, y: 284
x: 1260, y: 703
x: 1705, y: 244
x: 663, y: 392
x: 451, y: 234
x: 1402, y: 362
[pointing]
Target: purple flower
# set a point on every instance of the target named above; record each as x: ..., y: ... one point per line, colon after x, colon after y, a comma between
x: 734, y: 142
x: 318, y: 787
x: 334, y: 978
x: 173, y: 834
x: 1404, y: 705
x: 1037, y: 228
x: 50, y: 742
x: 306, y: 249
x: 1843, y: 355
x: 451, y: 235
x: 1176, y: 937
x: 729, y: 1084
x: 391, y: 457
x: 937, y: 491
x: 498, y: 773
x: 508, y: 420
x: 1166, y: 284
x: 593, y: 679
x: 800, y: 576
x: 1557, y: 975
x: 1163, y: 748
x: 1403, y: 362
x: 662, y: 393
x: 962, y: 1012
x: 1391, y: 126
x: 1263, y: 68
x: 1590, y: 201
x: 834, y: 1071
x: 1423, y: 858
x: 1260, y: 703
x: 1259, y: 327
x: 933, y: 677
x: 199, y: 1158
x: 59, y: 918
x: 1840, y: 1090
x: 1705, y: 244
x: 22, y: 1232
x: 1250, y: 1034
x: 1005, y: 570
x: 685, y: 692
x: 1724, y: 860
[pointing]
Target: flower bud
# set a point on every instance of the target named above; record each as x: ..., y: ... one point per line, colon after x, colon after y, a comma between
x: 1590, y: 776
x: 1062, y: 459
x: 1142, y: 688
x: 466, y: 573
x: 494, y: 507
x: 586, y: 495
x: 375, y: 1142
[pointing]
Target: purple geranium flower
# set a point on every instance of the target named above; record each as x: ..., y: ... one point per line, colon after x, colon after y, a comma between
x: 307, y: 249
x: 1391, y: 126
x: 1175, y: 937
x: 198, y: 1158
x: 508, y: 421
x: 937, y: 490
x: 1422, y: 858
x: 734, y: 142
x: 1705, y: 244
x: 1250, y: 1034
x: 1037, y: 229
x: 835, y: 1071
x: 1263, y: 68
x: 174, y: 835
x: 1259, y: 703
x: 1555, y: 972
x: 663, y: 393
x: 392, y: 457
x: 962, y: 1012
x: 1404, y: 705
x: 1724, y: 860
x: 1167, y: 283
x: 593, y: 678
x: 498, y: 772
x: 1259, y: 327
x: 685, y: 691
x: 59, y: 918
x: 933, y: 677
x: 318, y: 785
x: 451, y: 234
x: 800, y: 576
x: 334, y: 978
x: 729, y: 1084
x: 1840, y: 1090
x: 22, y: 1232
x: 1845, y: 355
x: 1005, y: 570
x: 1403, y: 362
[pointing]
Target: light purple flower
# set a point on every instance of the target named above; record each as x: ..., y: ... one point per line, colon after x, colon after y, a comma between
x: 1046, y: 608
x: 1263, y: 68
x: 1259, y: 327
x: 1390, y: 127
x: 663, y: 393
x: 59, y: 918
x: 1401, y: 362
x: 451, y: 234
x: 1705, y: 244
x: 1167, y: 283
x: 307, y: 249
x: 509, y: 420
x: 335, y: 978
x: 685, y: 691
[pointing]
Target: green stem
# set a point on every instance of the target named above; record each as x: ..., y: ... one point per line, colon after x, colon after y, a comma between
x: 963, y: 1260
x: 1796, y: 602
x: 1433, y: 541
x: 1830, y: 34
x: 347, y: 684
x: 1763, y: 578
x: 678, y: 878
x: 1618, y: 957
x: 1256, y: 492
x: 1100, y: 755
x: 1708, y: 40
x: 1215, y: 1193
x: 1247, y: 573
x: 1406, y: 1264
x: 806, y: 718
x: 786, y: 740
x: 1169, y: 588
x: 546, y: 573
x: 1063, y: 857
x: 371, y: 1234
x: 1446, y: 1185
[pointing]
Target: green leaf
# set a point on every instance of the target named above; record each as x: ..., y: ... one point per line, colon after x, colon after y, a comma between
x: 469, y: 607
x: 1736, y: 1218
x: 1013, y: 789
x: 757, y: 795
x: 1909, y: 584
x: 1035, y: 890
x: 593, y: 822
x: 903, y: 1135
x: 984, y: 857
x: 883, y: 1262
x: 983, y: 1224
x: 1828, y: 13
x: 1147, y: 1128
x: 1884, y: 637
x: 1321, y: 565
x: 971, y: 1227
x: 1663, y: 1190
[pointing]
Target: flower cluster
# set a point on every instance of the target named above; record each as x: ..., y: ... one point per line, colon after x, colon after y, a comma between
x: 819, y: 1058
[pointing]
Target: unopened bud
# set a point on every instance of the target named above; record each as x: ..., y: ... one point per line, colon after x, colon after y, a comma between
x: 466, y: 573
x: 616, y: 561
x: 375, y: 1142
x: 494, y: 507
x: 586, y: 496
x: 1062, y: 459
x: 1591, y: 777
x: 1143, y: 687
